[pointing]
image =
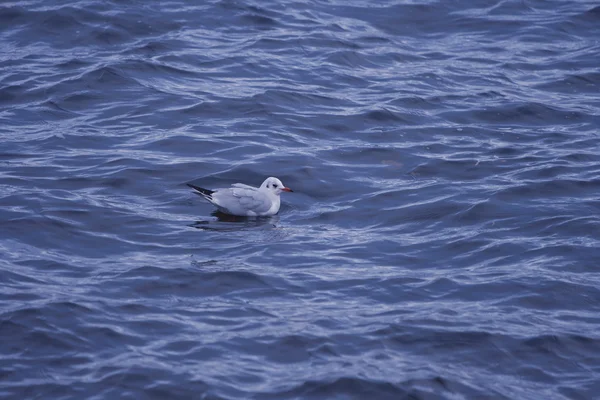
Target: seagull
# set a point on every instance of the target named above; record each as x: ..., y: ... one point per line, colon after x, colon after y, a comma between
x: 246, y: 201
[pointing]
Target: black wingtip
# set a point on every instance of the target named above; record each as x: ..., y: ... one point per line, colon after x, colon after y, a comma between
x: 203, y: 191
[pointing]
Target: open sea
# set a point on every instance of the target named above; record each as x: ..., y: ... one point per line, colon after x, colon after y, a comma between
x: 442, y: 240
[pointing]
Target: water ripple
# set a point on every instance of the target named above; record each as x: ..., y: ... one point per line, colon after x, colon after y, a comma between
x: 444, y: 163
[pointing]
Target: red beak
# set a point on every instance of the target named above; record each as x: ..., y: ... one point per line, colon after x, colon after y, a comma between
x: 286, y: 189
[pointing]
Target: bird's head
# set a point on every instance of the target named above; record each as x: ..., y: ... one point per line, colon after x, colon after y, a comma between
x: 274, y: 185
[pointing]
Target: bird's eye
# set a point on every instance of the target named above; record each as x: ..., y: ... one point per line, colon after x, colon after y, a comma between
x: 274, y: 185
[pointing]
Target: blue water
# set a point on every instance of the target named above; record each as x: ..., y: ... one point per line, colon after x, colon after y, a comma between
x: 442, y: 240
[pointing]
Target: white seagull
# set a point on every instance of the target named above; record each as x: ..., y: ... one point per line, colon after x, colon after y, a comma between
x: 246, y: 201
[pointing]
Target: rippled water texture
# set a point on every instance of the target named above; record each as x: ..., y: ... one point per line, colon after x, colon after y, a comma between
x: 442, y: 241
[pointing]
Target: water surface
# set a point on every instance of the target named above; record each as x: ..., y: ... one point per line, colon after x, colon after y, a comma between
x: 441, y: 243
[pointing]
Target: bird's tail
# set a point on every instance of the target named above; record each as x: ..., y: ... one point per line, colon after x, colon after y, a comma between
x: 201, y: 191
